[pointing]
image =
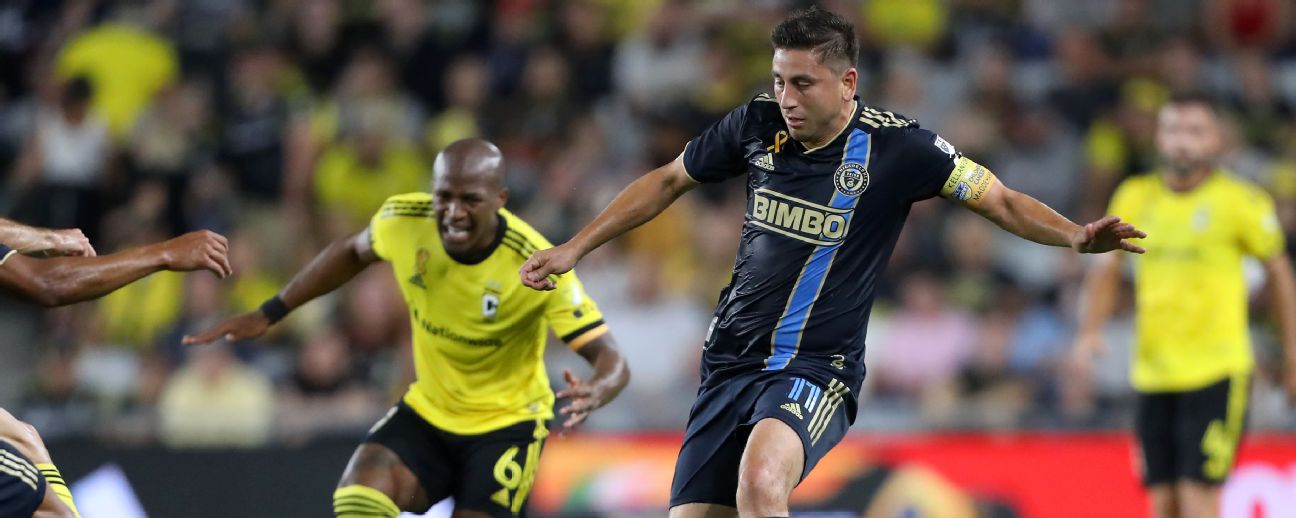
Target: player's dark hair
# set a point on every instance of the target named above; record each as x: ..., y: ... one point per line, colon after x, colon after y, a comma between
x: 1194, y: 98
x: 828, y: 36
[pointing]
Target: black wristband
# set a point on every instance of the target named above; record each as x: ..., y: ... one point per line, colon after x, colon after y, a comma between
x: 274, y: 309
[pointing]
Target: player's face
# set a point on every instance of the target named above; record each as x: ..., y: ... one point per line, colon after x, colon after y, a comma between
x: 810, y: 94
x: 1188, y: 137
x: 466, y: 207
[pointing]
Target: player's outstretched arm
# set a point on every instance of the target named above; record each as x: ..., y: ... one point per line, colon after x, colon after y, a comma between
x: 1282, y: 297
x: 611, y: 374
x: 1029, y: 218
x: 28, y: 240
x: 65, y: 280
x: 333, y: 267
x: 639, y: 202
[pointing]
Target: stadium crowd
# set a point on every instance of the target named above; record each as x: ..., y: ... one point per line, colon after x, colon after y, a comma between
x: 286, y: 123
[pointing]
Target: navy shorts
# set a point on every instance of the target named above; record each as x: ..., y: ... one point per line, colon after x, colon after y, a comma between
x: 22, y: 488
x: 723, y: 416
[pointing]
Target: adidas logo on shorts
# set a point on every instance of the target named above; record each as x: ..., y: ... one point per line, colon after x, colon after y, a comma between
x: 794, y: 408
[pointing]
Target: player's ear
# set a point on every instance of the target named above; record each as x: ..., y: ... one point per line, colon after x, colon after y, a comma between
x: 849, y: 80
x: 503, y: 196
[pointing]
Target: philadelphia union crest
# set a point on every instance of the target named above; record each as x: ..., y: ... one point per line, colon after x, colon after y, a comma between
x: 851, y: 179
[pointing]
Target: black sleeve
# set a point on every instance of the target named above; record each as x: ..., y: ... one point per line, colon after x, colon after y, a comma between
x: 5, y: 251
x: 716, y: 154
x: 930, y: 161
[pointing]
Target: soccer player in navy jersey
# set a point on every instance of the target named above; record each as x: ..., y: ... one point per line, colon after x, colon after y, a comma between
x: 829, y: 184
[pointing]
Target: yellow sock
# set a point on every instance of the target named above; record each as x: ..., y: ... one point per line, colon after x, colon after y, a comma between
x: 357, y: 501
x: 54, y: 480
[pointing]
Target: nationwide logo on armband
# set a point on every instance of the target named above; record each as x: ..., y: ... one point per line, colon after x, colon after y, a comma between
x: 797, y: 218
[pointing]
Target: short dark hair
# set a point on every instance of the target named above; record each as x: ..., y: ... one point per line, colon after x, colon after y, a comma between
x: 1196, y: 98
x: 828, y: 36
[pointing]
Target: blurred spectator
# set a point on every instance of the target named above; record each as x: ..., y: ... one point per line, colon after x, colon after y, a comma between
x: 467, y: 92
x: 927, y: 344
x: 420, y: 56
x: 658, y: 68
x: 216, y: 401
x: 168, y: 144
x: 367, y: 110
x: 126, y: 63
x: 583, y: 38
x: 1260, y: 25
x: 1266, y: 120
x: 368, y: 165
x: 1086, y: 88
x: 324, y: 395
x: 315, y: 44
x: 57, y: 403
x: 255, y: 115
x: 65, y: 162
x: 891, y: 23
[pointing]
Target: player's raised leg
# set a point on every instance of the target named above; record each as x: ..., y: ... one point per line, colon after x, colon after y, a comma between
x: 771, y: 467
x: 376, y: 483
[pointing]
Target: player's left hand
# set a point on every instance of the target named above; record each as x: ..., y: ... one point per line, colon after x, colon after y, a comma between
x: 584, y: 398
x: 1105, y: 235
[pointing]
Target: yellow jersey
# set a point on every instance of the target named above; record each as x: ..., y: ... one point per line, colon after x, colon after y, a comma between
x: 1191, y: 297
x: 479, y: 334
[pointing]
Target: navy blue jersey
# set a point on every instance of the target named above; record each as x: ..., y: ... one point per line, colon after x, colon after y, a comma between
x: 820, y: 227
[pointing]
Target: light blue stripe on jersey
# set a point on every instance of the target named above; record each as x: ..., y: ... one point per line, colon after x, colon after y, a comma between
x: 814, y: 397
x: 787, y: 333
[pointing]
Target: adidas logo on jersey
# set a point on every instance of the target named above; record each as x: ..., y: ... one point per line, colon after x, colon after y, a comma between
x: 765, y: 161
x: 794, y: 408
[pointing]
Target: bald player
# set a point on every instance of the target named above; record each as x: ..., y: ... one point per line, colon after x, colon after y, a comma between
x: 473, y: 423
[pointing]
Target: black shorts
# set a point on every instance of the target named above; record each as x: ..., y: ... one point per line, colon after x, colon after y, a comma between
x: 492, y: 472
x: 22, y: 488
x: 723, y: 416
x: 1191, y: 435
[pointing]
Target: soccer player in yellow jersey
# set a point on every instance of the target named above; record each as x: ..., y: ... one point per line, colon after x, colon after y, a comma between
x: 1192, y: 354
x: 473, y: 423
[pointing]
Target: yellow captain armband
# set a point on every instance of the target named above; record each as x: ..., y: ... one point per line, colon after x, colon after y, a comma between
x: 968, y: 183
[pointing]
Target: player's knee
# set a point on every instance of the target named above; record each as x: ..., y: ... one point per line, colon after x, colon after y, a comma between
x: 357, y: 501
x: 763, y: 485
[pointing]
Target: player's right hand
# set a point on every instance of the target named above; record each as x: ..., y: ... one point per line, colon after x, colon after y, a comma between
x: 236, y: 328
x: 200, y: 250
x: 68, y: 241
x: 538, y: 270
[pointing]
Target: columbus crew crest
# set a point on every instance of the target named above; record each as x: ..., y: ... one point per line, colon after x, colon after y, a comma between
x: 851, y: 179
